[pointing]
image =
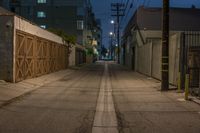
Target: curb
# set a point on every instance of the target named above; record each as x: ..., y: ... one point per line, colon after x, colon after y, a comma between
x: 195, y: 100
x: 5, y: 103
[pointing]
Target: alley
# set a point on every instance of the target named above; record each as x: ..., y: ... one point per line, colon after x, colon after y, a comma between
x: 102, y: 95
x: 64, y: 106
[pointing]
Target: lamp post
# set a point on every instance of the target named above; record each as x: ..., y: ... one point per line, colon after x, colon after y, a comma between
x: 111, y: 45
x: 113, y: 38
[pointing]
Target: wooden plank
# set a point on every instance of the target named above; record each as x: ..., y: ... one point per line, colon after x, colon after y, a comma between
x: 37, y: 56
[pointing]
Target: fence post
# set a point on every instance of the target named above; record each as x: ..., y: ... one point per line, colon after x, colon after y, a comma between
x: 187, y: 73
x: 182, y: 62
x: 186, y: 86
x: 199, y: 82
x: 179, y: 81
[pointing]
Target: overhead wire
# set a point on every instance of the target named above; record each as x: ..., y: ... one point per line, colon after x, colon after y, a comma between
x: 131, y: 6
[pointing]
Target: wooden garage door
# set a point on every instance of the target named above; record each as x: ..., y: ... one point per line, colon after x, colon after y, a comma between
x: 24, y: 56
x: 37, y: 56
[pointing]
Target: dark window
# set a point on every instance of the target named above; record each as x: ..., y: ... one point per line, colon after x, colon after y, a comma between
x: 12, y: 9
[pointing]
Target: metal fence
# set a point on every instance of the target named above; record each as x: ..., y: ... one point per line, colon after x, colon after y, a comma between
x: 194, y: 81
x: 190, y: 60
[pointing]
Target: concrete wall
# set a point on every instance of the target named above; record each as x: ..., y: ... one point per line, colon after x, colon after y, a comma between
x: 144, y: 54
x: 148, y: 55
x: 128, y: 61
x: 180, y: 19
x: 156, y: 59
x: 28, y: 27
x: 6, y: 47
x: 72, y: 57
x: 128, y: 55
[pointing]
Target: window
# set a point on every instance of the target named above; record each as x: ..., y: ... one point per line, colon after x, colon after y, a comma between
x: 80, y: 25
x: 41, y: 1
x: 41, y: 14
x: 43, y: 26
x: 12, y: 9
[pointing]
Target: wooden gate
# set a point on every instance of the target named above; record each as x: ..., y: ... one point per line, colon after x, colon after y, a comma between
x: 24, y: 56
x: 35, y: 56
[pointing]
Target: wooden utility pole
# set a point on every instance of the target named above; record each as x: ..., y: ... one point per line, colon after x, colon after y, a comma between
x: 165, y: 47
x: 118, y: 8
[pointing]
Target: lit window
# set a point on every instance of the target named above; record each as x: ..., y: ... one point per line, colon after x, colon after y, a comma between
x: 41, y: 14
x: 43, y: 26
x: 80, y: 25
x: 41, y: 1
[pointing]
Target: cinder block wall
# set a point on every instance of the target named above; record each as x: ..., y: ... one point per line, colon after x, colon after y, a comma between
x: 6, y: 47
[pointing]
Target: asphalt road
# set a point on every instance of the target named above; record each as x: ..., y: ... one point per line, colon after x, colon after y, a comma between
x: 142, y: 108
x: 69, y: 105
x: 64, y: 106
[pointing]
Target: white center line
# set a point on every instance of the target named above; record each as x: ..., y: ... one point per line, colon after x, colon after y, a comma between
x: 105, y: 120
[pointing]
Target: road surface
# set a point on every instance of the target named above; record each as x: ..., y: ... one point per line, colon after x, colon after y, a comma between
x: 101, y: 98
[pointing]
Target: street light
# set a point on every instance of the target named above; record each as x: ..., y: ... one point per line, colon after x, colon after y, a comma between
x: 111, y: 33
x: 112, y: 21
x: 111, y: 41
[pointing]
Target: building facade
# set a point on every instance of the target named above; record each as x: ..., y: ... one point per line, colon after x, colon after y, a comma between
x: 142, y: 42
x: 68, y: 15
x: 71, y: 16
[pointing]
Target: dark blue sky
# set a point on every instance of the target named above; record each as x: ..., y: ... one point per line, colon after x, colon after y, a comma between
x: 102, y: 9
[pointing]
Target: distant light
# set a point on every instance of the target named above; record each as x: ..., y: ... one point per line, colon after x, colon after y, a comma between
x: 111, y: 33
x: 112, y: 21
x: 43, y: 26
x: 116, y: 45
x: 41, y: 14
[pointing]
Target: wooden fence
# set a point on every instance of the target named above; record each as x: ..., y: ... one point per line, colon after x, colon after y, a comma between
x: 35, y: 56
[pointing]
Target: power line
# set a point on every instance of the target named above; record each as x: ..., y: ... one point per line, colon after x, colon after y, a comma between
x: 134, y: 2
x: 118, y: 10
x: 126, y: 5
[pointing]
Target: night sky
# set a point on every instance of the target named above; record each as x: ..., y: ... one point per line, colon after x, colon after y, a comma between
x: 102, y: 9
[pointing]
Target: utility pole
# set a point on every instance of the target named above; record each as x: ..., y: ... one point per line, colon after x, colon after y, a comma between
x: 118, y: 9
x: 165, y: 47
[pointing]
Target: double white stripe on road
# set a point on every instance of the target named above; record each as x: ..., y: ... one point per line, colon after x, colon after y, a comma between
x: 105, y: 120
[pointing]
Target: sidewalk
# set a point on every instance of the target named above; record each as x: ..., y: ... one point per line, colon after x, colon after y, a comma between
x: 11, y: 91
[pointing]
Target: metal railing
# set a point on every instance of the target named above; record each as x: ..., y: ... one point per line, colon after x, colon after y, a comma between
x: 189, y: 76
x: 194, y: 81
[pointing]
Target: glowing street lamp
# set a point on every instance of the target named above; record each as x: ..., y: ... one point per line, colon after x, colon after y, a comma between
x: 112, y: 21
x: 111, y: 33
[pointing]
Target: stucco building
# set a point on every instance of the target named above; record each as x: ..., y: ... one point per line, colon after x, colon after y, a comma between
x: 142, y: 42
